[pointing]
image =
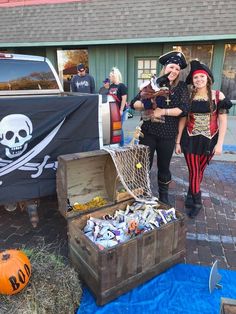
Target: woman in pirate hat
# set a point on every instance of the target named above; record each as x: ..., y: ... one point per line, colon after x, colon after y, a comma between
x: 202, y: 134
x: 161, y: 137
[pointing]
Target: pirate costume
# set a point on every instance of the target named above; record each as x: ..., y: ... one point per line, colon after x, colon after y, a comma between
x: 200, y: 136
x: 161, y: 137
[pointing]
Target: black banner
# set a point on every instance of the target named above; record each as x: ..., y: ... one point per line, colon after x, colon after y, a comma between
x: 34, y: 131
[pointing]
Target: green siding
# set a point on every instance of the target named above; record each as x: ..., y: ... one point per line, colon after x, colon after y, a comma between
x: 51, y: 54
x: 103, y: 58
x: 218, y: 63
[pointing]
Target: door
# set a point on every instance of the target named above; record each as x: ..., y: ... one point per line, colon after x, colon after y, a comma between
x: 145, y: 69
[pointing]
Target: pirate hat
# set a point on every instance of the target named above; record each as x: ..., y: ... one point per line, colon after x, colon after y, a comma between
x: 198, y: 67
x: 176, y: 57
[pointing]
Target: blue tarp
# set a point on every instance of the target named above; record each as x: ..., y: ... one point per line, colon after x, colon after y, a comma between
x: 183, y: 289
x: 229, y: 148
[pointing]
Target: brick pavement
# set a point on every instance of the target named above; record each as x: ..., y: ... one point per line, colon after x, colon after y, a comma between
x: 16, y: 230
x: 211, y: 236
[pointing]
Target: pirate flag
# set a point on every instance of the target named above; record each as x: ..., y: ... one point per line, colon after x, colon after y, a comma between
x: 34, y: 131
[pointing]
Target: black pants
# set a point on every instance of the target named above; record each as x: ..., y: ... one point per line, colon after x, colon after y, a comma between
x: 164, y: 149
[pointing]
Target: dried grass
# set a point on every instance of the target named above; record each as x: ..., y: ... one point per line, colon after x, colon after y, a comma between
x: 54, y: 287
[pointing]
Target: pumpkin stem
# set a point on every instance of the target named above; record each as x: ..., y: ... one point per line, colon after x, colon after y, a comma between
x: 5, y: 256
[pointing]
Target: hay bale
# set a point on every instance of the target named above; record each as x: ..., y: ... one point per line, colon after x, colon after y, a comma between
x: 54, y: 287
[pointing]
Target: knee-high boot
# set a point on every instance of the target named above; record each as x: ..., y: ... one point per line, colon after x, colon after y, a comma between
x: 197, y: 205
x: 189, y: 199
x: 163, y: 192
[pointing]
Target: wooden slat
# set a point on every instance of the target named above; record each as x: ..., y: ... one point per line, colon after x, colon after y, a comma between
x: 228, y: 306
x: 61, y: 185
x: 108, y: 269
x: 85, y: 272
x: 165, y: 237
x: 148, y: 251
x: 84, y: 246
x: 110, y: 178
x: 127, y: 256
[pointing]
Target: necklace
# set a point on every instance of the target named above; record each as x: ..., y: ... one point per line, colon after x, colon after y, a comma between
x: 200, y: 97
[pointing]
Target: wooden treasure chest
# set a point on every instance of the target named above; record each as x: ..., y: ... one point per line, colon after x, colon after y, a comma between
x: 115, y: 270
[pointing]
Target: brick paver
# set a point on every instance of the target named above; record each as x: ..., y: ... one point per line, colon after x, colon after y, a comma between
x: 211, y: 236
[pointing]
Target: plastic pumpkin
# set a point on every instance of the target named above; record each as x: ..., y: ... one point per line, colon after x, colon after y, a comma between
x: 15, y: 271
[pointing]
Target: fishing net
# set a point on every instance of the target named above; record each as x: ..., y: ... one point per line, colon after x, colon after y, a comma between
x: 132, y: 165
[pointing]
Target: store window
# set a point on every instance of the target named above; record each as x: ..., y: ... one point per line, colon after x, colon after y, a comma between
x: 67, y: 64
x: 146, y: 68
x: 198, y: 51
x: 228, y: 86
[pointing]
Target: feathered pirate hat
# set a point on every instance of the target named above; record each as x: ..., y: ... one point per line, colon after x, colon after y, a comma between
x: 176, y: 57
x: 197, y: 67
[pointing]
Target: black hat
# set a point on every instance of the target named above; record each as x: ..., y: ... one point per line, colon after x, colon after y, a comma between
x: 196, y: 65
x: 176, y: 57
x: 80, y: 67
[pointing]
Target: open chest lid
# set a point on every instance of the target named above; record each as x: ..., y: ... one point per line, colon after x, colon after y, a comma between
x: 84, y: 176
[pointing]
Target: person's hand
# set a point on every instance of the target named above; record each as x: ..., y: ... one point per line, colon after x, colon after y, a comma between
x: 158, y: 113
x: 121, y: 112
x: 178, y: 149
x: 218, y: 149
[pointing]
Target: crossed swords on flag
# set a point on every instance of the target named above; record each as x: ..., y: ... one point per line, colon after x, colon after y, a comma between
x: 22, y: 163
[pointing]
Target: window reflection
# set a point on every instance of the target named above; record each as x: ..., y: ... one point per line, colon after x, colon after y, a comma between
x: 228, y: 86
x: 26, y: 75
x: 201, y: 52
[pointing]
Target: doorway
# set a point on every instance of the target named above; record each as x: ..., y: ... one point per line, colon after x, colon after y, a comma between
x: 67, y: 64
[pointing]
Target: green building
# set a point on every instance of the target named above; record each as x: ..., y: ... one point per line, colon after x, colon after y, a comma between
x: 128, y: 34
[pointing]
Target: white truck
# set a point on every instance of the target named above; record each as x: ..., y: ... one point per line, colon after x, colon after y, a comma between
x: 39, y: 121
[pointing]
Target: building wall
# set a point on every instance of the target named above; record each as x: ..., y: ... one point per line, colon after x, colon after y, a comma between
x: 103, y: 57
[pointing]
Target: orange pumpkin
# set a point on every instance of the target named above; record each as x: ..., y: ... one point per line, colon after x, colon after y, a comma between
x: 15, y: 271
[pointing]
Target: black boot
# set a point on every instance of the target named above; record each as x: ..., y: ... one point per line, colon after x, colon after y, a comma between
x: 163, y: 192
x: 197, y: 205
x: 189, y: 199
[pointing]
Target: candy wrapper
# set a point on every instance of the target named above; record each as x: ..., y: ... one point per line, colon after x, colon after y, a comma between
x: 136, y: 219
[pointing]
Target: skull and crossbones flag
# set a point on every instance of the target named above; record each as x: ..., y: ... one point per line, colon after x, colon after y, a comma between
x: 34, y: 131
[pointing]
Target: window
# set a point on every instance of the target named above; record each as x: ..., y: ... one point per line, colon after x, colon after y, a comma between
x: 146, y: 69
x: 228, y: 86
x: 26, y: 75
x: 67, y: 64
x: 201, y: 52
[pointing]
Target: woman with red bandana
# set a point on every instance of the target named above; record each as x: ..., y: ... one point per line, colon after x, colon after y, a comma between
x: 202, y: 133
